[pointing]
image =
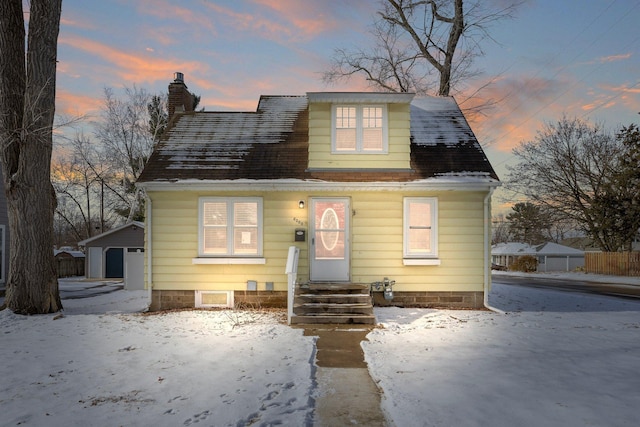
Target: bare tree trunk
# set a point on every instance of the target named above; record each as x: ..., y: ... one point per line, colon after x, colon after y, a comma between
x: 27, y: 106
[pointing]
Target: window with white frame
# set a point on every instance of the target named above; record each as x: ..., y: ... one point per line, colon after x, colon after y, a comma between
x: 230, y: 226
x: 420, y: 227
x: 359, y: 129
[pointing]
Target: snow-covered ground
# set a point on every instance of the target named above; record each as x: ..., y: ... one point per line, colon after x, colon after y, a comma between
x: 554, y: 359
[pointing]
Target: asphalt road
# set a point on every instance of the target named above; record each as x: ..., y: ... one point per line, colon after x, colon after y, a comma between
x: 611, y: 289
x: 76, y: 289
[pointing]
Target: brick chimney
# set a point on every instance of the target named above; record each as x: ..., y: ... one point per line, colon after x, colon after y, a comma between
x: 180, y: 99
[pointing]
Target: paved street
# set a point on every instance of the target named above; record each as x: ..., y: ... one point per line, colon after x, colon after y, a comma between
x: 79, y: 287
x: 584, y: 286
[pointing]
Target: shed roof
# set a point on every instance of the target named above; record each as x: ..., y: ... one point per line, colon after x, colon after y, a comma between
x: 272, y: 144
x: 115, y: 230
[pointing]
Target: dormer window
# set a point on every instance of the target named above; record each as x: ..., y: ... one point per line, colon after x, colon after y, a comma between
x: 359, y: 129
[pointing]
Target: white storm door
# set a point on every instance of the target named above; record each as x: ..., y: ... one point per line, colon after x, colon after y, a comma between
x: 329, y: 254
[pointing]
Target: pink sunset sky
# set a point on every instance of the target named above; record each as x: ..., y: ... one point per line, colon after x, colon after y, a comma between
x: 574, y: 57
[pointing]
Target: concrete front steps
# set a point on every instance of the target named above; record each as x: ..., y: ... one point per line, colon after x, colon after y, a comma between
x: 333, y: 303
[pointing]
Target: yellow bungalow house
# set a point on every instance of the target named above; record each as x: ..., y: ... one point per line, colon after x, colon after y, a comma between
x: 374, y: 189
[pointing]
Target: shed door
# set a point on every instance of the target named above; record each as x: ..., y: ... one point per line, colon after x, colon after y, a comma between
x: 114, y: 260
x: 329, y: 255
x: 134, y: 274
x: 95, y: 262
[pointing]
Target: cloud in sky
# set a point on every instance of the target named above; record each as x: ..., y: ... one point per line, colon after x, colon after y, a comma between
x: 130, y: 66
x: 516, y: 100
x: 73, y: 105
x: 170, y: 12
x: 281, y: 21
x: 82, y: 24
x: 251, y: 23
x: 614, y: 58
x: 309, y: 18
x: 609, y: 96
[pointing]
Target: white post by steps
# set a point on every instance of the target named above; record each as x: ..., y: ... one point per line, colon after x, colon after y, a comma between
x: 292, y: 272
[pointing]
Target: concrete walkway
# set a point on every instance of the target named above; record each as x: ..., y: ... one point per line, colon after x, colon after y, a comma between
x: 346, y: 393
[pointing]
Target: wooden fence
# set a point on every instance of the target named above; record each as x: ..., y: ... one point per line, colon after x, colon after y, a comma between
x: 68, y: 267
x: 612, y: 263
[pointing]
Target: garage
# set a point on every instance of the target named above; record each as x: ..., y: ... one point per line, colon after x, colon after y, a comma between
x: 117, y: 254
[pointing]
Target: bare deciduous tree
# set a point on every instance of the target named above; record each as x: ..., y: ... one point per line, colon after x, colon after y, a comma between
x: 573, y: 168
x: 84, y: 199
x: 126, y: 144
x: 422, y: 46
x: 94, y: 175
x: 27, y: 107
x: 499, y: 230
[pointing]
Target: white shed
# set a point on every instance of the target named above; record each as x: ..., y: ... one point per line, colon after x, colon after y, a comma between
x: 117, y: 253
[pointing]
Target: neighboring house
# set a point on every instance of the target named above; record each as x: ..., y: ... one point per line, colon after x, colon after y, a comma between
x: 551, y: 256
x: 4, y: 235
x: 504, y: 254
x: 368, y: 186
x: 117, y: 253
x: 555, y: 257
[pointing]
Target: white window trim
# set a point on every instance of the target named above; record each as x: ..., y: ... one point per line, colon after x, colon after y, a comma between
x: 228, y: 258
x: 359, y: 150
x: 420, y: 259
x: 199, y: 304
x: 224, y: 260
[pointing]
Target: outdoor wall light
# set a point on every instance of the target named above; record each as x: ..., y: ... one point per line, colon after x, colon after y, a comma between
x: 301, y: 204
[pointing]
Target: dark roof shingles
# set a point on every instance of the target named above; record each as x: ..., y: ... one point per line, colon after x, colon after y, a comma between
x: 272, y: 143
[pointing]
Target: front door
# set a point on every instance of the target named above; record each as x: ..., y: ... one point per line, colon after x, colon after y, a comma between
x: 329, y: 254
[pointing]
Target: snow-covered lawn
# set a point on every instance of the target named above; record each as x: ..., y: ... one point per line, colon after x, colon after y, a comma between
x: 555, y: 359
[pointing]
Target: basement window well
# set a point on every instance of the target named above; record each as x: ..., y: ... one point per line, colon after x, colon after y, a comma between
x: 214, y: 299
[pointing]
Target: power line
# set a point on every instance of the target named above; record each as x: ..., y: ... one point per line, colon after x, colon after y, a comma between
x: 561, y: 69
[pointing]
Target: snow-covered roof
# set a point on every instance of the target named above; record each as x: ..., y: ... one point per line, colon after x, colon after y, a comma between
x: 544, y: 249
x: 512, y: 248
x: 272, y: 143
x: 438, y: 120
x: 115, y: 230
x: 550, y: 248
x: 73, y: 253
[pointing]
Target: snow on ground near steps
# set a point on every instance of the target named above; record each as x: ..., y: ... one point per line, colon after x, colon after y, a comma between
x: 174, y: 369
x: 554, y: 359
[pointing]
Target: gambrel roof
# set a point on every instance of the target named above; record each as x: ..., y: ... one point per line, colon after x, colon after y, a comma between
x: 272, y: 144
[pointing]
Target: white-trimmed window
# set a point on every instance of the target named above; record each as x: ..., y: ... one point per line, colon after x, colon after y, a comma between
x: 230, y: 227
x: 420, y: 227
x: 359, y: 129
x: 212, y: 299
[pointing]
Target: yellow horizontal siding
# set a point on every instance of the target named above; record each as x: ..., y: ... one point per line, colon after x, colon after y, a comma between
x: 320, y: 156
x: 376, y: 242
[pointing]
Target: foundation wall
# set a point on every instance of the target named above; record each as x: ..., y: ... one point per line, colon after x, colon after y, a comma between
x: 452, y: 299
x: 172, y: 300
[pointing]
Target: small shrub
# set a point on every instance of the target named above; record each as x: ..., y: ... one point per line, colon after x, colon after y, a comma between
x: 525, y: 263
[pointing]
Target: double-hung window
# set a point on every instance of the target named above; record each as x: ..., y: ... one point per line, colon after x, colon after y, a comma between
x: 359, y: 129
x: 230, y: 227
x: 420, y: 228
